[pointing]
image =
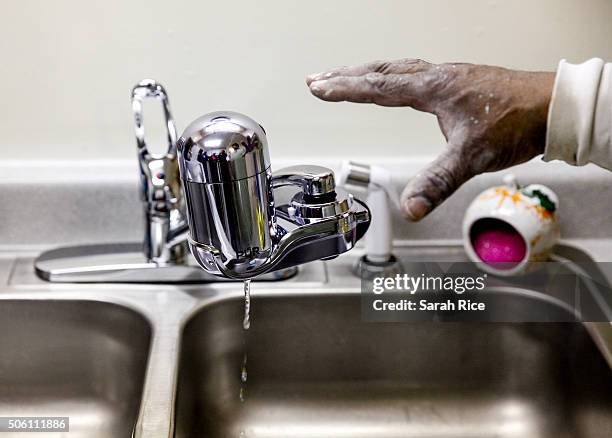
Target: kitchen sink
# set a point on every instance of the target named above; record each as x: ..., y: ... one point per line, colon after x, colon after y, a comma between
x: 80, y: 359
x: 315, y: 370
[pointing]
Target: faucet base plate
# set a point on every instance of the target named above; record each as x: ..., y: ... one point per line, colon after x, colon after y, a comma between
x: 124, y: 263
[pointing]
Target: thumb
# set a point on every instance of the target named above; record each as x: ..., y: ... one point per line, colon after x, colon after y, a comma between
x: 430, y: 187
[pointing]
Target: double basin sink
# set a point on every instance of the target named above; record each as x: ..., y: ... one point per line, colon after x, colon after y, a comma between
x: 177, y: 362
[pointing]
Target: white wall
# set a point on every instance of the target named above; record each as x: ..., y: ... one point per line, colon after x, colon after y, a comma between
x: 67, y: 66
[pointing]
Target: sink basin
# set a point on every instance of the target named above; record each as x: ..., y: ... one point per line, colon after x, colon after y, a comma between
x: 84, y: 360
x: 315, y: 370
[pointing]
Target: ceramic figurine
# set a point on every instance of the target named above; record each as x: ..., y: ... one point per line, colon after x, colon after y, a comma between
x: 508, y: 228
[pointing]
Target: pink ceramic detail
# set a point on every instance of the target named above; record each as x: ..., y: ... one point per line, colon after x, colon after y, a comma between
x: 500, y: 246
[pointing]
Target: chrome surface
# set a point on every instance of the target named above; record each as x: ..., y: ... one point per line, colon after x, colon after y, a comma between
x: 160, y: 183
x: 241, y: 222
x: 306, y: 210
x: 236, y: 218
x: 357, y: 173
x: 124, y: 263
x: 314, y: 369
x: 314, y: 180
x: 295, y: 243
x: 85, y: 360
x: 163, y: 256
x: 223, y: 146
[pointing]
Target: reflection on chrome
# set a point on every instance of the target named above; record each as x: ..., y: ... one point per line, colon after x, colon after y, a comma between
x: 245, y: 220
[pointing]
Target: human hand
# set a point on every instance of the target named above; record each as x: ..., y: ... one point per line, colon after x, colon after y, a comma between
x: 491, y: 117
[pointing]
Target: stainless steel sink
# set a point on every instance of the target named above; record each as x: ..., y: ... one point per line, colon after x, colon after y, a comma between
x: 80, y: 359
x: 315, y: 370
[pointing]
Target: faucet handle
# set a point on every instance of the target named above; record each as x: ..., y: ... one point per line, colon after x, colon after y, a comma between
x: 160, y: 185
x: 315, y: 181
x: 142, y: 90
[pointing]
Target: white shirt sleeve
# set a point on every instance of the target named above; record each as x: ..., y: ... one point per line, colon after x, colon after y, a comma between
x: 580, y: 114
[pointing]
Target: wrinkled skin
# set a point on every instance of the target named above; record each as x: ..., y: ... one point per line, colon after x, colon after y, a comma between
x: 492, y: 117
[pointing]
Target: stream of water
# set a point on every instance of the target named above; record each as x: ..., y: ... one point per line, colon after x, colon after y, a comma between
x: 246, y: 324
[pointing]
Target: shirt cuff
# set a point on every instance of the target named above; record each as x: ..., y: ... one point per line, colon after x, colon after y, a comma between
x: 601, y: 148
x: 571, y: 114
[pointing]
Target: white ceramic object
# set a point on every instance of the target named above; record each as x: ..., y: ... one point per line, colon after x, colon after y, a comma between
x: 532, y: 211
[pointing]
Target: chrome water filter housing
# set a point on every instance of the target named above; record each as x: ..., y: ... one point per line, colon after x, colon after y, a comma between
x: 244, y: 220
x: 225, y: 169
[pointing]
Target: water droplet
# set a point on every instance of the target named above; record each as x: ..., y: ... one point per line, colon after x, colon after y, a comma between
x: 243, y: 378
x: 487, y: 108
x: 243, y: 373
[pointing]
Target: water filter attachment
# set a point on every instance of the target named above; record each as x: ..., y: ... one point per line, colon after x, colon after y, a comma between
x: 382, y: 198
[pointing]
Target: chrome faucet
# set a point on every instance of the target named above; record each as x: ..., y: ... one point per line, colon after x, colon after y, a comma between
x: 161, y: 190
x: 162, y: 255
x: 238, y: 219
x: 245, y: 220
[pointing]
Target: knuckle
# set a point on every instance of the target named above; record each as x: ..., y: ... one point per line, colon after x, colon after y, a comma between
x: 378, y: 81
x: 434, y: 82
x: 389, y: 89
x: 439, y: 182
x: 406, y: 65
x: 408, y: 61
x: 383, y: 67
x: 413, y: 65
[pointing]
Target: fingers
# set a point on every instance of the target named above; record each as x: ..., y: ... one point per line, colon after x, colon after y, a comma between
x: 400, y: 66
x: 361, y: 89
x: 379, y: 88
x: 434, y: 184
x: 406, y: 82
x: 358, y: 70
